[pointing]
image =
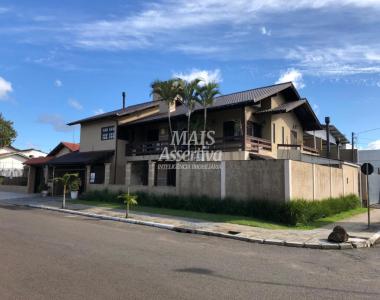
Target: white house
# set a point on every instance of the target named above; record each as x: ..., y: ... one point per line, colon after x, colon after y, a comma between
x: 372, y: 157
x: 12, y: 160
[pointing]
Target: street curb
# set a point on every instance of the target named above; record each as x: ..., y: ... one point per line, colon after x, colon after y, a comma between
x: 298, y: 244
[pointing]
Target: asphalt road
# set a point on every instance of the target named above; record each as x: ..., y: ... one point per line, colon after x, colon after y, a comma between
x: 47, y: 255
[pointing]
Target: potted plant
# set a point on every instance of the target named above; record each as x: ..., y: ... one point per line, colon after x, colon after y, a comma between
x: 74, y: 188
x: 44, y: 189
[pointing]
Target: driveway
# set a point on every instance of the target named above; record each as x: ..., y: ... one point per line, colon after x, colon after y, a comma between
x: 11, y: 196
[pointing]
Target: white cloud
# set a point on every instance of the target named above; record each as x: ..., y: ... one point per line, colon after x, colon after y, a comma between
x: 99, y: 111
x: 348, y: 60
x: 75, y: 104
x: 159, y: 20
x: 294, y: 76
x: 4, y: 10
x: 56, y: 121
x: 5, y: 88
x: 265, y: 31
x: 375, y: 145
x: 205, y: 75
x: 58, y: 83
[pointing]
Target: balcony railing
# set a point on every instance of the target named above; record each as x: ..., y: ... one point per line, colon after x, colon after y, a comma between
x: 303, y: 148
x: 233, y: 143
x: 255, y: 144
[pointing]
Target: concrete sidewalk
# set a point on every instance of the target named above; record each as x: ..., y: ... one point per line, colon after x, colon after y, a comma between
x: 360, y: 235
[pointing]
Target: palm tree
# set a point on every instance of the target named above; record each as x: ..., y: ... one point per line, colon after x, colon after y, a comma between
x: 128, y: 200
x: 66, y: 180
x: 190, y: 97
x: 168, y: 91
x: 207, y: 94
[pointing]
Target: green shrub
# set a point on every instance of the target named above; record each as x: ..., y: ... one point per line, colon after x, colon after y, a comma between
x: 292, y: 213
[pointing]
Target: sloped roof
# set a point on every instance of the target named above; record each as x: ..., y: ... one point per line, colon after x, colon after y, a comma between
x: 38, y: 160
x: 4, y: 155
x: 252, y: 95
x: 249, y: 96
x: 71, y: 146
x: 337, y: 134
x: 82, y: 158
x: 117, y: 113
x: 284, y: 108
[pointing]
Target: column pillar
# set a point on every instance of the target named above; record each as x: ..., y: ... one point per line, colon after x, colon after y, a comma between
x: 128, y: 170
x: 31, y: 179
x: 151, y: 173
x: 107, y: 173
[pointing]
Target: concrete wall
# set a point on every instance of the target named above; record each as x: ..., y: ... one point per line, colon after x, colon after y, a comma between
x: 199, y: 182
x: 255, y: 179
x: 316, y: 182
x: 163, y: 190
x: 272, y: 180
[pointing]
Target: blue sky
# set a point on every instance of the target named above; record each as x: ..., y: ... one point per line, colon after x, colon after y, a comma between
x: 64, y: 60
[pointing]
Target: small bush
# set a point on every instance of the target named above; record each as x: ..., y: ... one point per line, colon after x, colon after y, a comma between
x: 290, y: 213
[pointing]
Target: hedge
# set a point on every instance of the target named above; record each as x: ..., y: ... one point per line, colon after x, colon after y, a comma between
x: 291, y: 213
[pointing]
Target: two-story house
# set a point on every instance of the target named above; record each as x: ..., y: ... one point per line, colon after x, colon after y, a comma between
x: 122, y: 147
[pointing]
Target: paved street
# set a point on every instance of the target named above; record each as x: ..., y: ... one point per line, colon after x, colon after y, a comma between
x: 45, y: 255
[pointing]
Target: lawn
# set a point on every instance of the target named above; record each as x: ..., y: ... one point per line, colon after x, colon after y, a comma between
x: 225, y: 218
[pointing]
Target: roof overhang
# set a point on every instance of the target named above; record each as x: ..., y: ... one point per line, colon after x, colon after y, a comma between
x: 82, y: 158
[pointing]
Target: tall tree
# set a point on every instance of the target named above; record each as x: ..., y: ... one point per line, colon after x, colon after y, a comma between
x: 190, y: 96
x: 168, y: 91
x: 207, y: 94
x: 7, y: 132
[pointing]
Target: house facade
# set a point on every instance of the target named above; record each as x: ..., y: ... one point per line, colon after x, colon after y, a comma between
x: 271, y: 145
x: 41, y: 172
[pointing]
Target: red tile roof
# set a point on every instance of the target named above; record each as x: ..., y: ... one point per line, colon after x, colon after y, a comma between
x: 38, y: 160
x: 71, y: 146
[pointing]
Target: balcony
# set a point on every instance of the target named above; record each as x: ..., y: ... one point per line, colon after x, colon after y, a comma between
x: 302, y: 148
x: 233, y: 143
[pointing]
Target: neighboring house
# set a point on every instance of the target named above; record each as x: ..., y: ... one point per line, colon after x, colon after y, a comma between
x: 372, y: 157
x: 39, y: 169
x: 12, y: 160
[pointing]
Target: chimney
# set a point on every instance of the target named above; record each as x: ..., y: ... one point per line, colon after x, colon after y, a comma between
x: 327, y: 121
x: 123, y: 94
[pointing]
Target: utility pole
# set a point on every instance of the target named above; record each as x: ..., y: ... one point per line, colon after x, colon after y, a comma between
x: 352, y: 145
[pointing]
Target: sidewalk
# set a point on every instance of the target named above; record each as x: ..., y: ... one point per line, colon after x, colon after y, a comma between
x: 356, y: 226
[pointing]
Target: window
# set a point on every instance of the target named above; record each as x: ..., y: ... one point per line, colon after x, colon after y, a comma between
x: 293, y: 137
x: 274, y: 133
x: 108, y: 133
x: 231, y: 129
x: 283, y: 134
x: 254, y: 129
x: 152, y: 135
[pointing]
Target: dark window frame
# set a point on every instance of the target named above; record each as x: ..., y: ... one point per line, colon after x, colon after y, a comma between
x: 107, y: 133
x: 274, y: 132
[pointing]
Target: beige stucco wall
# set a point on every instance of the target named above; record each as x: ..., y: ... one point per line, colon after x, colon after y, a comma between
x: 198, y: 182
x: 316, y: 182
x: 90, y: 136
x: 256, y: 179
x: 133, y: 188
